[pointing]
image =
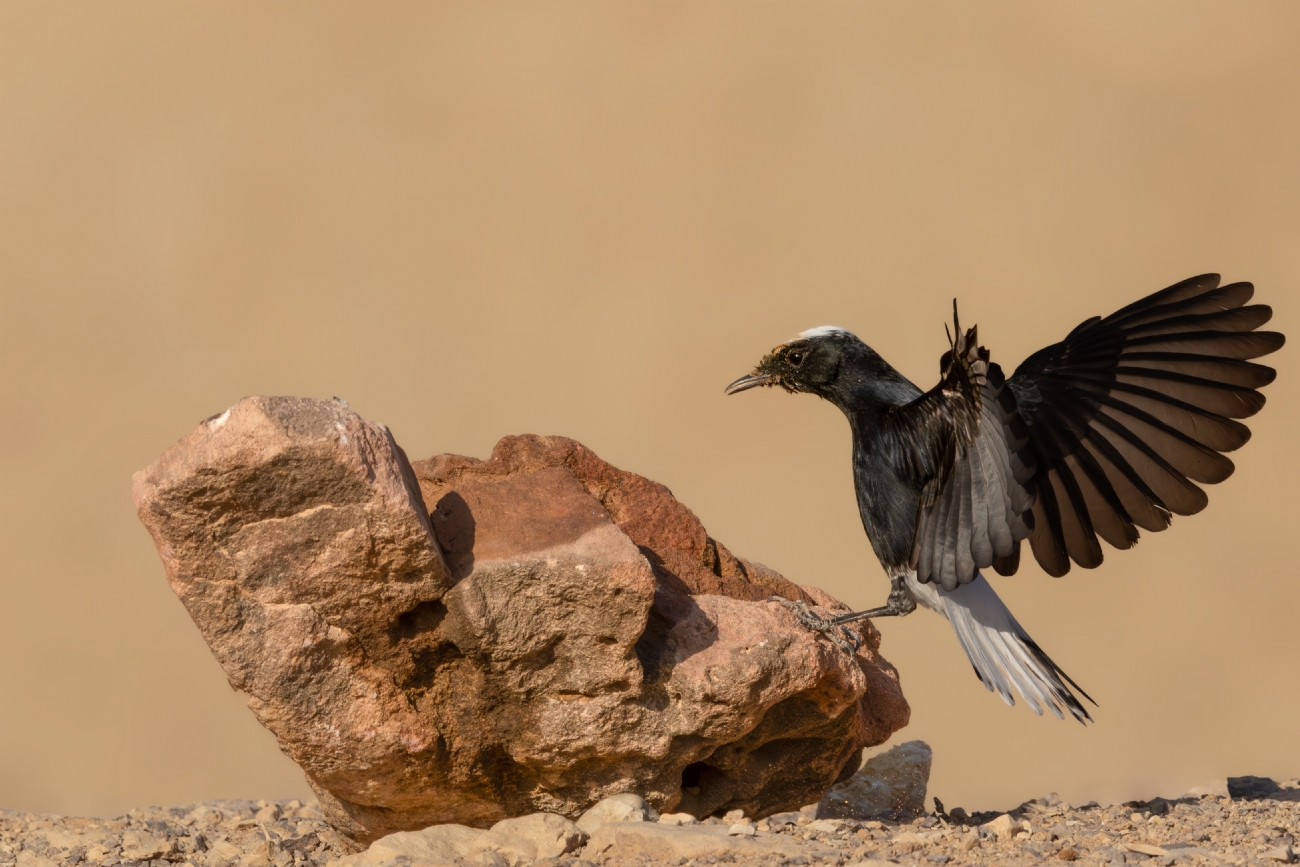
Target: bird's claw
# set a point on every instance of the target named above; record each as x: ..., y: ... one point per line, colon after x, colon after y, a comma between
x: 841, y: 636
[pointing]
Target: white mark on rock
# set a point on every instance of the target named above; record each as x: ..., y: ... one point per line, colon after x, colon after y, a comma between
x: 219, y: 420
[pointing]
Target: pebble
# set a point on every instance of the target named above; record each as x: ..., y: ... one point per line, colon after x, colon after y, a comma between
x: 1209, y: 830
x: 213, y: 834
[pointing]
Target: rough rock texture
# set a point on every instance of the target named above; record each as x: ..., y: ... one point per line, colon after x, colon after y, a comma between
x: 440, y: 843
x: 617, y: 808
x: 887, y: 786
x: 294, y: 535
x: 527, y: 838
x: 560, y: 631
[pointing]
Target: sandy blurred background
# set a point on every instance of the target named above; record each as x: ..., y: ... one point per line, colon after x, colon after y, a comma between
x: 471, y: 220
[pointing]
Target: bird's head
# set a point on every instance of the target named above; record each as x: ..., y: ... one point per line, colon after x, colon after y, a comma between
x: 812, y: 362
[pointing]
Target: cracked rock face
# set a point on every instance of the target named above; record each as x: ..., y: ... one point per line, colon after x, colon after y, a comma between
x: 467, y: 641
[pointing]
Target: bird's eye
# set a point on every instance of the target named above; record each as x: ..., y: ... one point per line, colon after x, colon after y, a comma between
x: 796, y: 358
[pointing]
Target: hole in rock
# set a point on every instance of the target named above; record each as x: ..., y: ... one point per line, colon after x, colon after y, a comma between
x: 425, y: 617
x: 691, y: 775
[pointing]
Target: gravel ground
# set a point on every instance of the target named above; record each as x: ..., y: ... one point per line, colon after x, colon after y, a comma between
x: 1209, y: 830
x: 211, y: 834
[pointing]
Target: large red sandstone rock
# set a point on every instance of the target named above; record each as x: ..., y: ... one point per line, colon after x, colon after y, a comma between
x: 559, y: 632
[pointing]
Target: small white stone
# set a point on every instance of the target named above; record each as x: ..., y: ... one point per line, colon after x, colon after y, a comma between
x: 732, y: 817
x: 742, y: 829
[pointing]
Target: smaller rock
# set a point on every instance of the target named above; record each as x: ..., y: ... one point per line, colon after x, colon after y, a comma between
x: 890, y: 785
x: 678, y: 819
x: 1003, y: 827
x: 742, y: 829
x: 731, y: 817
x: 1068, y: 854
x: 909, y: 841
x: 826, y: 826
x: 617, y: 808
x: 224, y: 851
x: 269, y: 813
x: 1284, y: 854
x: 1251, y: 788
x: 137, y: 846
x: 776, y: 820
x: 527, y: 838
x: 437, y: 843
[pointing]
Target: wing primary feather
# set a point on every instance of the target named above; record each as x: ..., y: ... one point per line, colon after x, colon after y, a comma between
x: 1172, y: 488
x: 1188, y: 288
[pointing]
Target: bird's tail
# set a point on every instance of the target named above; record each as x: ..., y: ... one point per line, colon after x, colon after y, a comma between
x: 1000, y: 650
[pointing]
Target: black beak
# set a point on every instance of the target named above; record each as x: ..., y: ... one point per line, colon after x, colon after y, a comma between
x: 754, y: 380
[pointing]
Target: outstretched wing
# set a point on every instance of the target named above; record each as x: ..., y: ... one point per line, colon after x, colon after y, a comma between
x: 1128, y: 413
x: 1106, y: 432
x: 968, y: 447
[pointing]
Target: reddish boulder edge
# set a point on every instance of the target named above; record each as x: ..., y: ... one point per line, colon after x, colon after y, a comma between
x: 556, y: 631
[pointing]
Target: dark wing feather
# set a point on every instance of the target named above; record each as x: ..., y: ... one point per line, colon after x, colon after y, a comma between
x: 1128, y: 413
x: 970, y: 454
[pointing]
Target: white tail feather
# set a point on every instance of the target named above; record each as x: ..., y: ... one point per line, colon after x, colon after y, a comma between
x: 998, y: 647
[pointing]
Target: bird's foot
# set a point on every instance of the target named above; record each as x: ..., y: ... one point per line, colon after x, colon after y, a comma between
x: 839, y: 634
x: 899, y: 604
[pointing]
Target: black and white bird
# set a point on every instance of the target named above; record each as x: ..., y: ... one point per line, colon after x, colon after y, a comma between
x: 1106, y: 432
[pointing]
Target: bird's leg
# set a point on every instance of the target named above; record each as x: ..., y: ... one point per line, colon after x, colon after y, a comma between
x: 900, y: 603
x: 842, y: 637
